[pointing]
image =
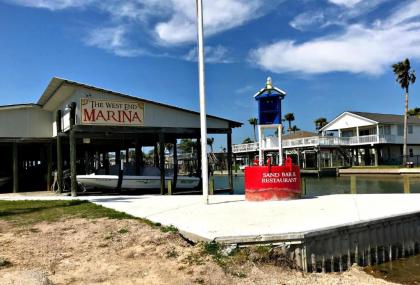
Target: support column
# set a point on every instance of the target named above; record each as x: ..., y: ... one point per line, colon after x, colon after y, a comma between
x: 72, y: 142
x: 175, y: 156
x: 87, y: 162
x: 162, y: 162
x: 229, y: 160
x: 156, y: 156
x: 73, y: 171
x: 376, y: 156
x: 199, y: 157
x: 49, y: 165
x: 138, y: 157
x: 59, y: 153
x: 15, y: 168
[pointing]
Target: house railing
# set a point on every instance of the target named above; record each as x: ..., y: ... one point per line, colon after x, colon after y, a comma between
x: 272, y: 142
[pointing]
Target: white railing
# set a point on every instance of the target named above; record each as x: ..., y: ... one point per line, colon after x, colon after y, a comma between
x: 246, y: 147
x: 272, y: 142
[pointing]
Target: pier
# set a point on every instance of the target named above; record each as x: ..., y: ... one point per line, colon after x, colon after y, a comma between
x: 325, y: 233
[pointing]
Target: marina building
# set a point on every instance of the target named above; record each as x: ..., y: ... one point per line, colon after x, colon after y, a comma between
x: 82, y: 129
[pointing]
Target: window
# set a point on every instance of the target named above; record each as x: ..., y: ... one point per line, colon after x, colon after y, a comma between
x: 410, y: 129
x: 385, y: 130
x: 400, y: 130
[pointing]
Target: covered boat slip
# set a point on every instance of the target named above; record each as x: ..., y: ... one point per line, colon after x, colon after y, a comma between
x: 77, y: 129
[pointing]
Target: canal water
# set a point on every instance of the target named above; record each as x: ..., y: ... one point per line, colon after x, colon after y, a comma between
x: 405, y: 271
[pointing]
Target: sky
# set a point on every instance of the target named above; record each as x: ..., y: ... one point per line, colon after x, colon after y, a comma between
x: 330, y: 56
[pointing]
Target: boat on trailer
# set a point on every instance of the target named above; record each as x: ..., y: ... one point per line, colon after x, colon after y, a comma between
x: 134, y: 182
x: 4, y: 180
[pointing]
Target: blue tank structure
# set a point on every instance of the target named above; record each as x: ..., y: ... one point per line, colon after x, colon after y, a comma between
x: 269, y: 104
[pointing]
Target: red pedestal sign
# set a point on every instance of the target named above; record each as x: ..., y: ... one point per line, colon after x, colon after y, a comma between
x: 264, y: 183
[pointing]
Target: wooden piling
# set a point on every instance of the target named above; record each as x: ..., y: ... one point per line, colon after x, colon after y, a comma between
x: 313, y: 263
x: 73, y: 170
x: 59, y: 153
x: 229, y: 160
x: 162, y: 162
x: 169, y: 187
x: 211, y: 186
x: 49, y: 166
x: 175, y: 156
x: 15, y: 168
x: 323, y: 264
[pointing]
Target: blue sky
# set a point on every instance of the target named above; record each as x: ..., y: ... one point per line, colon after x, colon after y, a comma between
x: 328, y: 55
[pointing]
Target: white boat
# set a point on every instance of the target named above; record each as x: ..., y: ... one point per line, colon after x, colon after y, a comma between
x: 4, y: 180
x: 134, y: 182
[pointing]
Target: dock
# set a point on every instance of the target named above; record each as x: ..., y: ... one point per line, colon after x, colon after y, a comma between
x: 325, y: 233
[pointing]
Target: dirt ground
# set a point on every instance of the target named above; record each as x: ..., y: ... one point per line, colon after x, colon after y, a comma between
x: 104, y: 251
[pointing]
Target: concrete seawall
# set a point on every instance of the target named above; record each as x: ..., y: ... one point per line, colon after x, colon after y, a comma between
x: 366, y: 244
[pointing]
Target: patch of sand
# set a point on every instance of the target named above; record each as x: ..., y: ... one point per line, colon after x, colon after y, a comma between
x: 104, y: 251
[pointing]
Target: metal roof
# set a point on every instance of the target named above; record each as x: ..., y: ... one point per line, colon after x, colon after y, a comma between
x: 298, y: 135
x: 387, y: 118
x: 56, y: 83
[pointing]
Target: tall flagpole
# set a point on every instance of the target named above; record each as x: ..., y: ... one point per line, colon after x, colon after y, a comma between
x: 202, y: 89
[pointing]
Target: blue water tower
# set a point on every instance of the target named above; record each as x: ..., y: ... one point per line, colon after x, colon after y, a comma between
x: 269, y: 104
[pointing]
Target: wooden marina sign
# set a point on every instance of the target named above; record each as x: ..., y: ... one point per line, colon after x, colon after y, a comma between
x: 113, y: 113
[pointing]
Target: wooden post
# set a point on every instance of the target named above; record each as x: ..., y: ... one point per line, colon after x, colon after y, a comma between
x: 198, y: 157
x: 162, y: 162
x: 59, y: 153
x: 49, y: 165
x: 138, y: 157
x: 15, y: 168
x: 87, y: 161
x: 156, y: 156
x: 73, y: 171
x: 229, y: 160
x: 211, y: 188
x: 175, y: 156
x: 169, y: 187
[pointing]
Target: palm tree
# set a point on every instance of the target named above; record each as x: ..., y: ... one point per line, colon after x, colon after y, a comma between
x: 295, y: 129
x: 404, y: 76
x: 210, y: 142
x: 320, y: 122
x: 254, y: 123
x: 289, y: 117
x: 247, y: 140
x: 414, y: 112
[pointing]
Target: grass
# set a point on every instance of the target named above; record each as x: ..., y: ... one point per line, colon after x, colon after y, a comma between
x: 32, y: 212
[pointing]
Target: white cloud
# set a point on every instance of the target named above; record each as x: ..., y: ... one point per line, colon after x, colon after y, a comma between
x: 52, y: 4
x: 346, y: 3
x: 307, y: 20
x: 163, y: 22
x: 360, y: 49
x: 217, y: 54
x: 219, y: 16
x: 113, y: 39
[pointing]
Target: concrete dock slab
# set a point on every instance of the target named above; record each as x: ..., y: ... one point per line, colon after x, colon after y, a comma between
x: 231, y: 219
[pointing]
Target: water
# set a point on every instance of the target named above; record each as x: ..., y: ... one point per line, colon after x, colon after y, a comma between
x: 407, y: 270
x: 341, y: 185
x: 403, y: 271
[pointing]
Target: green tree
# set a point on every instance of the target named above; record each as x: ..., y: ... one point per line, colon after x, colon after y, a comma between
x: 247, y: 140
x: 295, y: 128
x: 320, y: 122
x: 210, y: 142
x: 290, y: 117
x: 415, y: 112
x: 187, y: 145
x: 254, y: 123
x: 404, y: 76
